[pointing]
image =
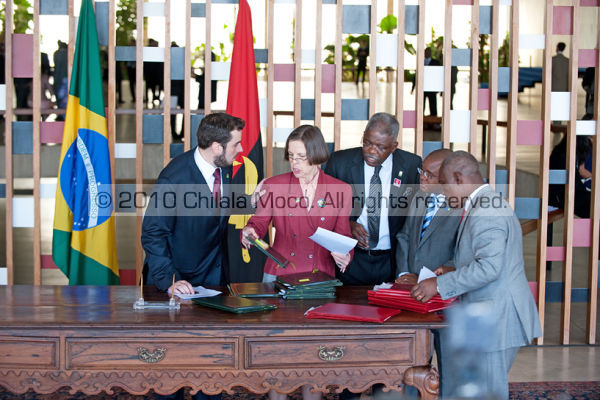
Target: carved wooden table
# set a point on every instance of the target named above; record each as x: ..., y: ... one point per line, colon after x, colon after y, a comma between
x: 90, y: 339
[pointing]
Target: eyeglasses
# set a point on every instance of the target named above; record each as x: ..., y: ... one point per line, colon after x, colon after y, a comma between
x: 426, y: 174
x: 291, y: 158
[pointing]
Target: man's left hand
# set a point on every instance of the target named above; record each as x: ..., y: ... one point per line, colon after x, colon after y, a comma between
x: 425, y: 290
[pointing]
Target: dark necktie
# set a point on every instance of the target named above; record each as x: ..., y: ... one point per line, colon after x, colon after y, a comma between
x: 374, y: 208
x: 217, y: 186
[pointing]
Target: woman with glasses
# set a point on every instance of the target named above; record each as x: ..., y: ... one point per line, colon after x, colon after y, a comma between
x: 299, y: 202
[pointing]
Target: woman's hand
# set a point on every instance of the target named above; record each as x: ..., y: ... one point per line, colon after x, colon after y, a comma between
x: 248, y: 231
x: 341, y: 260
x: 443, y: 269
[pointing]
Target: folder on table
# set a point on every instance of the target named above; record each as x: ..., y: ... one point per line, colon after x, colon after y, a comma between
x: 308, y: 279
x: 234, y: 304
x: 398, y: 296
x: 253, y: 289
x: 352, y: 312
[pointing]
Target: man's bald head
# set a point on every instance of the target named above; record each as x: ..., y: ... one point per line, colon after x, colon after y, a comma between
x: 459, y: 176
x: 463, y: 164
x: 438, y: 155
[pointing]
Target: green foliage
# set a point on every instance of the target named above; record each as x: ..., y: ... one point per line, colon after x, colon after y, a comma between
x: 126, y: 22
x: 23, y: 16
x: 504, y: 52
x: 388, y: 24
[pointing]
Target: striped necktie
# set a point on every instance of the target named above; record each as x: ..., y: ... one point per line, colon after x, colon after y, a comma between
x: 374, y: 211
x: 432, y: 206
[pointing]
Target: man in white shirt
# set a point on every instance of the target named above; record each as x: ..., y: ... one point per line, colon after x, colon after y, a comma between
x: 383, y: 178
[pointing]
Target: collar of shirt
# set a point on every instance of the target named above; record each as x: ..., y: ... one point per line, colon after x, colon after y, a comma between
x: 206, y: 169
x: 472, y: 196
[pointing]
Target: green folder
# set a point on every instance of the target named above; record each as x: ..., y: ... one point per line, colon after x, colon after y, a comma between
x: 234, y: 304
x: 308, y: 279
x: 253, y: 289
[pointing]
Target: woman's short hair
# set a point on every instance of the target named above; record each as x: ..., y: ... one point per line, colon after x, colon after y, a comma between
x: 311, y: 136
x: 217, y: 127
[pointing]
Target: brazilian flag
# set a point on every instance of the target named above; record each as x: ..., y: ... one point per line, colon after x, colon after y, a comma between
x: 83, y: 243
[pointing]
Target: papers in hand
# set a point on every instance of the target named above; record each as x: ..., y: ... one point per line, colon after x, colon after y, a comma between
x: 333, y: 241
x: 425, y: 273
x: 199, y: 291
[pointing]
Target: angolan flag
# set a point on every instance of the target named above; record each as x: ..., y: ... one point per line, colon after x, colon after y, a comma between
x: 83, y: 243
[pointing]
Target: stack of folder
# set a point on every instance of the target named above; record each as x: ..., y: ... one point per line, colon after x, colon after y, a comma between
x: 307, y: 285
x: 253, y: 289
x: 234, y: 304
x: 398, y: 296
x: 351, y: 312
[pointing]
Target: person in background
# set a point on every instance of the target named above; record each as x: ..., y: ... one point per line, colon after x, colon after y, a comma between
x: 558, y: 160
x: 361, y: 56
x: 431, y: 97
x: 560, y: 70
x: 61, y: 86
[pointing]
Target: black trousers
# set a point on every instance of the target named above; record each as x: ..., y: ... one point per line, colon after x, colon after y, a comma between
x: 368, y: 268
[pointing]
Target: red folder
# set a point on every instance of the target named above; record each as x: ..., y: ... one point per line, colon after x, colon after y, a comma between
x: 352, y: 312
x: 398, y: 296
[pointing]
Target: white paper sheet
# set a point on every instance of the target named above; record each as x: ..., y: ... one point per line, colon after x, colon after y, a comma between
x: 200, y: 291
x: 333, y: 241
x: 425, y: 273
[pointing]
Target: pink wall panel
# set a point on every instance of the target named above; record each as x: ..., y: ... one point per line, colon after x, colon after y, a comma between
x: 563, y: 20
x: 529, y: 133
x: 47, y: 262
x: 555, y: 253
x: 483, y: 99
x: 328, y: 78
x: 409, y: 119
x: 588, y: 58
x: 22, y: 55
x: 582, y: 232
x: 284, y: 72
x: 51, y: 132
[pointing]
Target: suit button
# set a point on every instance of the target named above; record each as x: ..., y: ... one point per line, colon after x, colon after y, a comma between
x: 310, y: 256
x: 292, y: 254
x: 322, y: 218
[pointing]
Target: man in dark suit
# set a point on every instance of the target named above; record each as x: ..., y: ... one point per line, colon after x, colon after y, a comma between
x: 381, y: 176
x: 488, y: 272
x: 429, y: 233
x: 428, y: 236
x: 184, y: 228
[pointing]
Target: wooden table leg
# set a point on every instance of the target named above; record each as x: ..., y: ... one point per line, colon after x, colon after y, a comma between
x: 425, y: 379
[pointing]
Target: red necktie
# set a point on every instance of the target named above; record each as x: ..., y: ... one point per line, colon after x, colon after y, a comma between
x: 462, y: 215
x: 217, y: 185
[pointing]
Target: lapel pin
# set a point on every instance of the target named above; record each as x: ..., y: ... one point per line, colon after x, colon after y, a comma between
x: 321, y: 203
x: 397, y: 182
x: 227, y: 176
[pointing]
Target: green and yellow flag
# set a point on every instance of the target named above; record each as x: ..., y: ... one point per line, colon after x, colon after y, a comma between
x: 83, y: 244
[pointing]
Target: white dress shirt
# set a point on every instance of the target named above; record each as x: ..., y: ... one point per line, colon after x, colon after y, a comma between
x: 207, y: 170
x: 469, y: 200
x: 386, y: 178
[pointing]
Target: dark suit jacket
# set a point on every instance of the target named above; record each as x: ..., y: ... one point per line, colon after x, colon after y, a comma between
x: 183, y: 233
x: 348, y: 166
x: 436, y: 247
x: 330, y: 210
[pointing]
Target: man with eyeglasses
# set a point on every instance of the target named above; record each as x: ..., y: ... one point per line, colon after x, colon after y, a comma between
x: 382, y: 179
x: 428, y: 236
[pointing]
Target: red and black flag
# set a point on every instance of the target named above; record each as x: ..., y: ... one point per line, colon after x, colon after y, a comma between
x: 242, y: 102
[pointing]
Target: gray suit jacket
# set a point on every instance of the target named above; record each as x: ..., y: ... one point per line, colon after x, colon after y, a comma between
x: 436, y: 247
x: 490, y: 270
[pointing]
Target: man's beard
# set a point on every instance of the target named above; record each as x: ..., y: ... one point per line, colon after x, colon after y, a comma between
x: 221, y: 161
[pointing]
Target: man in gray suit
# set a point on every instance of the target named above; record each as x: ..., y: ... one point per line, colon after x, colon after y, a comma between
x: 560, y: 70
x: 428, y: 236
x: 489, y: 270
